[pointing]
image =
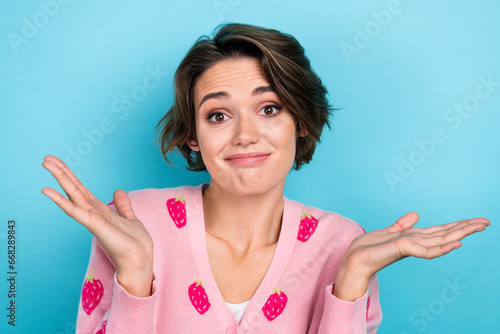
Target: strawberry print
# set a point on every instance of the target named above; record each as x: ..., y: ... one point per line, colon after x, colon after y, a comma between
x: 307, y: 226
x: 275, y: 304
x: 103, y: 330
x: 91, y: 293
x: 198, y: 297
x: 177, y: 210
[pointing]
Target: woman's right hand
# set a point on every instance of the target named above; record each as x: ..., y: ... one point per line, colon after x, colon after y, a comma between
x: 122, y: 235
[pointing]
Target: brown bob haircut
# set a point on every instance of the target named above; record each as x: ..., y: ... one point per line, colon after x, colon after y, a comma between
x: 286, y: 68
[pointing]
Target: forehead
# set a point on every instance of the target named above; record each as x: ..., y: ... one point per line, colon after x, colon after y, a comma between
x: 230, y: 75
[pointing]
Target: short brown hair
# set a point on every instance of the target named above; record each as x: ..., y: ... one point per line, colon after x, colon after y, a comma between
x: 285, y: 66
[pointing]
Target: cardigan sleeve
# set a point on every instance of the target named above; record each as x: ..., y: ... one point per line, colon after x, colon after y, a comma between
x: 106, y: 307
x: 361, y: 316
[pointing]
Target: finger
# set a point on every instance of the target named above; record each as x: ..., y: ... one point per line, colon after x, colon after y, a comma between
x: 450, y: 228
x: 451, y: 236
x: 440, y: 228
x: 123, y: 205
x: 483, y: 220
x: 70, y: 174
x: 84, y: 217
x: 403, y: 223
x: 420, y: 251
x: 455, y: 225
x: 73, y: 192
x: 476, y: 222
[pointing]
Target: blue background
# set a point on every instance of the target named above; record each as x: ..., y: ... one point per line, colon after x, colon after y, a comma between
x: 64, y: 69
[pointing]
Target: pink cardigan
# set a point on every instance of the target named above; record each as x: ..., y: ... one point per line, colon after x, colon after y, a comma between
x: 295, y: 295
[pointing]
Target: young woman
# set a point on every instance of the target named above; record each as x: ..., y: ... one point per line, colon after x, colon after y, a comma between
x: 234, y: 255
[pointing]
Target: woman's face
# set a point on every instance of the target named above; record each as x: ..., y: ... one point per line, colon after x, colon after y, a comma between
x: 246, y: 136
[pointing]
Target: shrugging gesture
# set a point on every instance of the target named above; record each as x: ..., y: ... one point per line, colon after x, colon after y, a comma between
x: 122, y: 235
x: 375, y: 250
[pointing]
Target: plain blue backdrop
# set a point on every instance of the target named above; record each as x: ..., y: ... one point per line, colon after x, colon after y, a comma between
x: 418, y: 84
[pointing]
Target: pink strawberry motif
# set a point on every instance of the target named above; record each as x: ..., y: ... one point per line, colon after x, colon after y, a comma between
x: 198, y: 297
x: 103, y: 330
x: 307, y: 226
x: 177, y: 210
x: 91, y: 293
x: 275, y: 304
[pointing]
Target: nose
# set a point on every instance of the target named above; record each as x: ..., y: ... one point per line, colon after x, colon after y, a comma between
x: 246, y: 131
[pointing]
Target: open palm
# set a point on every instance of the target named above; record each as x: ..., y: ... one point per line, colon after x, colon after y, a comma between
x: 122, y: 235
x: 373, y: 251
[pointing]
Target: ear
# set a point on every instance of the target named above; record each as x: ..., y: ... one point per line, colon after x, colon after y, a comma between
x: 303, y: 132
x: 193, y: 144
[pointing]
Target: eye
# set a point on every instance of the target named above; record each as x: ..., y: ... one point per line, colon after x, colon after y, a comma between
x: 270, y: 110
x: 216, y: 117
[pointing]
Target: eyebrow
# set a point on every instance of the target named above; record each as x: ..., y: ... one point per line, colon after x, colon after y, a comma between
x: 225, y: 95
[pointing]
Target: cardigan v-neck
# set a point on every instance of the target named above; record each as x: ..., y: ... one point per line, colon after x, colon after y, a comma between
x: 238, y: 309
x: 295, y: 295
x: 281, y: 257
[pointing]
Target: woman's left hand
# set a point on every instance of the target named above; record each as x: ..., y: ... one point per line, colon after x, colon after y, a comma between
x: 375, y: 250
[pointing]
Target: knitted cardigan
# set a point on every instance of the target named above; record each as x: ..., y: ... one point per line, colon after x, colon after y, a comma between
x: 295, y: 296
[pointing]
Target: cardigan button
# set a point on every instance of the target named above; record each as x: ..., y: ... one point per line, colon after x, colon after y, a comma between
x: 233, y: 330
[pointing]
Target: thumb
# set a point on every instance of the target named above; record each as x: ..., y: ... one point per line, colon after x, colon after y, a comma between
x: 123, y: 205
x: 403, y: 223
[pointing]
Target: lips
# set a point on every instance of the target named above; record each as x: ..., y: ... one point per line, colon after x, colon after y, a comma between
x: 243, y: 159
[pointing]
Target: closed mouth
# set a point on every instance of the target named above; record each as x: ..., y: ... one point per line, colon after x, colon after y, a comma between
x: 246, y: 155
x: 248, y: 158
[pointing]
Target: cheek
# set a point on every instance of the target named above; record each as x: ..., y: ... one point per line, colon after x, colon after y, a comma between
x: 211, y: 143
x: 282, y: 134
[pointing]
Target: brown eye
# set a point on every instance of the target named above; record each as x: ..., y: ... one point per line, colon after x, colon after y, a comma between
x: 216, y: 117
x: 219, y: 117
x: 268, y: 110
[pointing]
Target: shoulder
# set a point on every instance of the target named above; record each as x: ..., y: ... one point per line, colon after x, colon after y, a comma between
x: 330, y: 224
x: 145, y: 195
x: 155, y: 196
x: 321, y: 235
x: 151, y: 204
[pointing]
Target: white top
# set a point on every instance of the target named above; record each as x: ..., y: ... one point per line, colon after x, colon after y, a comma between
x: 238, y: 309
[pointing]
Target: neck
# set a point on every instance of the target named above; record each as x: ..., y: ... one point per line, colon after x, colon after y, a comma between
x: 245, y: 222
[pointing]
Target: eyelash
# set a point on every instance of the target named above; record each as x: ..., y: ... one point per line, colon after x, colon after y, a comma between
x: 275, y: 106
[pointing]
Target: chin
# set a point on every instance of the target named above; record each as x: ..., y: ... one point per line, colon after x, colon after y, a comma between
x: 248, y: 186
x: 249, y: 181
